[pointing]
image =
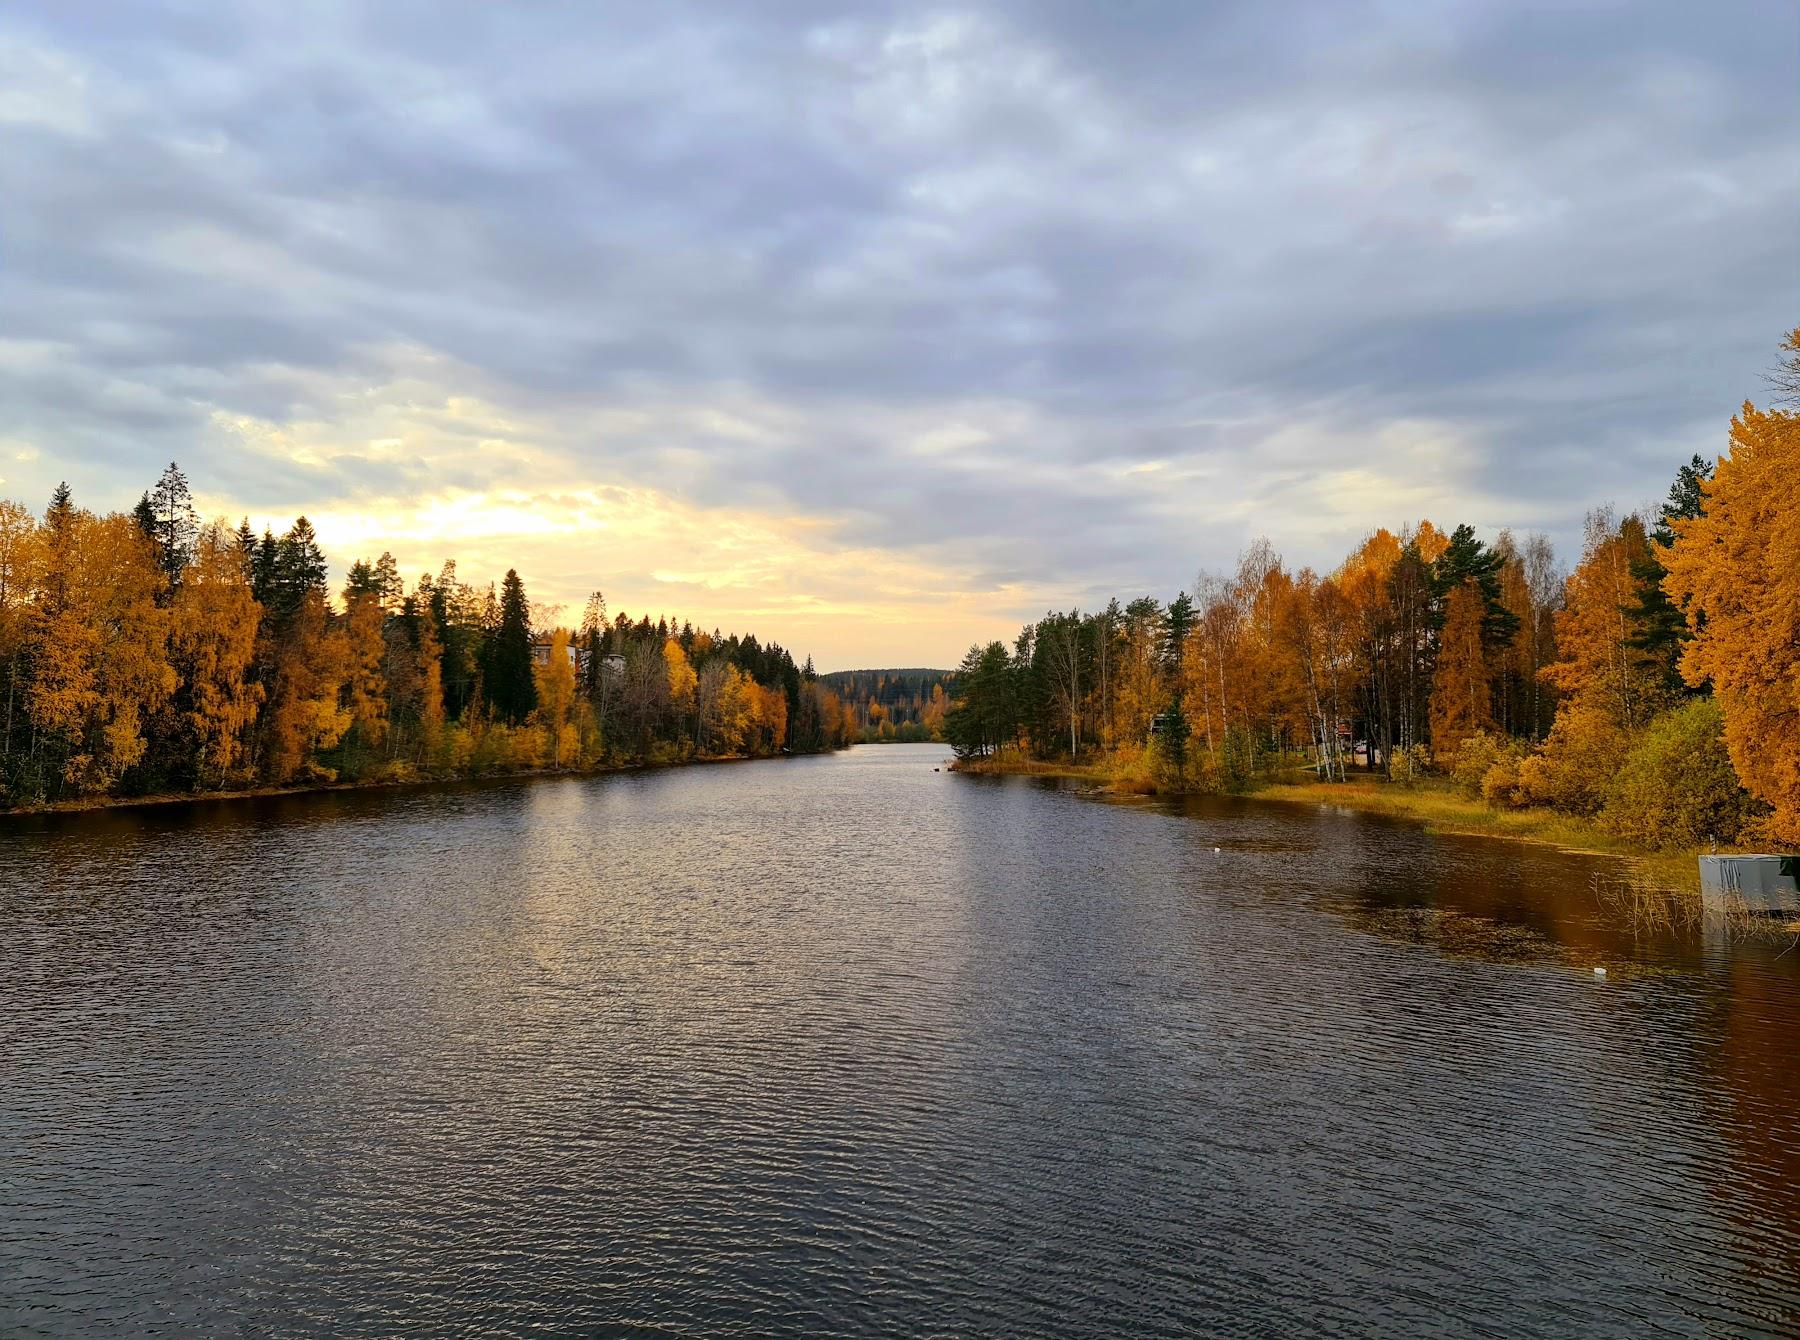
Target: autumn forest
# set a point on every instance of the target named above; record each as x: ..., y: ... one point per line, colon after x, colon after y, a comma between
x: 1653, y: 690
x: 148, y: 653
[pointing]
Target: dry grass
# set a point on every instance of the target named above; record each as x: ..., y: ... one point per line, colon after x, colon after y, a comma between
x: 1648, y: 905
x: 1435, y: 804
x: 1443, y: 809
x: 1124, y: 773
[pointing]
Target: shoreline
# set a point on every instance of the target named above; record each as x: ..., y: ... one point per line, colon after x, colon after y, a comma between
x: 91, y: 804
x: 1434, y: 806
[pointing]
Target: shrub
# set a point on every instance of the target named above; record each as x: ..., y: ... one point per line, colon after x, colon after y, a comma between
x: 1502, y: 786
x: 1410, y: 765
x: 1471, y: 761
x: 1575, y: 769
x: 1676, y: 789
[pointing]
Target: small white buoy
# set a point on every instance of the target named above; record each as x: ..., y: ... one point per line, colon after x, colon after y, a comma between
x: 1599, y: 972
x: 1215, y: 851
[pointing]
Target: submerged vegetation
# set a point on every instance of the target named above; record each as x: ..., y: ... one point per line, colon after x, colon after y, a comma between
x: 146, y: 653
x: 1648, y: 699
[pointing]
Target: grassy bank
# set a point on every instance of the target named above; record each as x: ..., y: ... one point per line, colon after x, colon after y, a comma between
x: 1118, y: 774
x: 1437, y: 805
x: 1441, y: 808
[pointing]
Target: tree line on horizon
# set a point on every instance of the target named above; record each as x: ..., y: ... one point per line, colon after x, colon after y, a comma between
x: 146, y: 652
x: 1654, y: 688
x: 893, y: 706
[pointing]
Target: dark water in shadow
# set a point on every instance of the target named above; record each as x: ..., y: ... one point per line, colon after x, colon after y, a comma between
x: 846, y: 1046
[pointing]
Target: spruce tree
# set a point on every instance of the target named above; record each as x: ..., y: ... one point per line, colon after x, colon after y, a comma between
x: 173, y: 524
x: 299, y: 569
x: 1660, y: 626
x: 507, y: 684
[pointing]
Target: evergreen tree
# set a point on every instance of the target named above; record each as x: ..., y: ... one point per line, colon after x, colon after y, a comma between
x: 1467, y: 559
x: 246, y: 543
x: 1661, y: 627
x: 299, y: 570
x: 59, y: 525
x: 507, y: 680
x: 985, y: 716
x: 264, y: 565
x: 1178, y: 623
x: 172, y: 522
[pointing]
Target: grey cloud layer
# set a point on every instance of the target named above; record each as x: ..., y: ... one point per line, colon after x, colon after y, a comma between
x: 1304, y: 269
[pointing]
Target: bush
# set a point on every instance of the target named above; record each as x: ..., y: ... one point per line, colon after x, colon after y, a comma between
x: 1410, y: 765
x: 1575, y: 769
x: 1676, y: 788
x: 1502, y: 785
x: 1469, y: 765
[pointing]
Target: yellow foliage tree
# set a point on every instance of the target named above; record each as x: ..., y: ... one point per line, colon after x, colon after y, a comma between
x: 769, y: 716
x: 931, y: 715
x: 1609, y: 691
x: 556, y: 696
x: 212, y: 644
x: 429, y: 674
x: 1598, y: 663
x: 365, y: 668
x: 682, y: 679
x: 99, y: 645
x: 1460, y: 700
x: 305, y: 709
x: 1735, y: 570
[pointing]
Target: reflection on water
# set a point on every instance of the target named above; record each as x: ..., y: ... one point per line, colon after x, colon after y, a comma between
x: 843, y: 1045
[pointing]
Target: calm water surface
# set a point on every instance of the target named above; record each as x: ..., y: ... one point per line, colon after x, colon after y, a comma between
x: 848, y: 1046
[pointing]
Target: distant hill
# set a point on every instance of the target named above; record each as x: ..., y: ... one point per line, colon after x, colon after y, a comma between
x: 899, y: 705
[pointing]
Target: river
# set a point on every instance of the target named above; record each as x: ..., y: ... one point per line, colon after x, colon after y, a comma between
x: 848, y: 1045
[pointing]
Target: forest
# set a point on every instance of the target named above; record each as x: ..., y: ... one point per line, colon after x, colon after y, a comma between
x: 1653, y: 689
x: 894, y: 706
x: 146, y: 653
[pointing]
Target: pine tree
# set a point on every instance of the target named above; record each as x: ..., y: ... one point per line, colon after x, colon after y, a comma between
x: 1467, y: 559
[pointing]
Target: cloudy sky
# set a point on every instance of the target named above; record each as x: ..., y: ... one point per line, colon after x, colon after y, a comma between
x: 878, y: 328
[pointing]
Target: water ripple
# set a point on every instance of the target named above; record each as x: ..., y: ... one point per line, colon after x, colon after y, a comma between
x: 845, y: 1046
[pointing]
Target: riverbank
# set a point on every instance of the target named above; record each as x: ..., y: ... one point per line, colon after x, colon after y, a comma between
x: 1434, y: 804
x: 386, y: 782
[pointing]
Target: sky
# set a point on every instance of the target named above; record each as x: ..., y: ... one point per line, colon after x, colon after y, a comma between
x: 878, y: 329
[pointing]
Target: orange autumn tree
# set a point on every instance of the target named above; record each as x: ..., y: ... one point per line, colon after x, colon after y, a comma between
x: 1735, y: 571
x: 98, y: 646
x: 212, y: 644
x: 365, y: 695
x: 1460, y: 700
x: 1609, y: 690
